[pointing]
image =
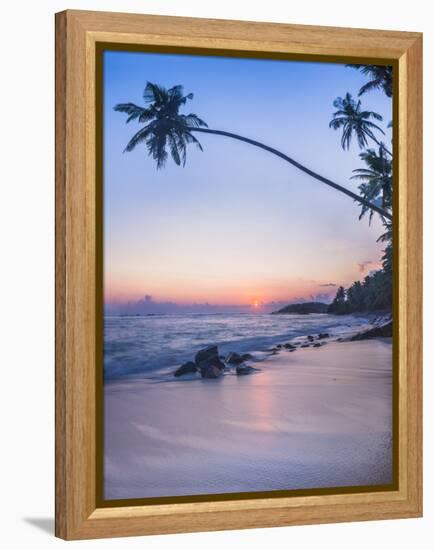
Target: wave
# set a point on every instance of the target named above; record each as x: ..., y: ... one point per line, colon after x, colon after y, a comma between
x: 152, y: 346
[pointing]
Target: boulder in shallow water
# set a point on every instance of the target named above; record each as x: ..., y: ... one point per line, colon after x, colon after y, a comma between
x: 187, y: 368
x: 206, y: 354
x: 382, y: 331
x: 234, y: 358
x: 208, y: 362
x: 211, y: 371
x: 244, y: 369
x: 323, y: 335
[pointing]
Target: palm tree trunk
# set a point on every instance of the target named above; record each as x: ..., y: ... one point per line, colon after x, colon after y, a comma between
x: 304, y: 169
x: 381, y: 145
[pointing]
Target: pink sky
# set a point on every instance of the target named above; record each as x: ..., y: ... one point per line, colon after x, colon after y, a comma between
x: 236, y: 224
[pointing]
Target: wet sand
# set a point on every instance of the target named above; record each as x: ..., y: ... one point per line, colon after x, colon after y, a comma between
x: 317, y: 417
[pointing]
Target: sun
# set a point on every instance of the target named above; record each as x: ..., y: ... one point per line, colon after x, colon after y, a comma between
x: 256, y: 304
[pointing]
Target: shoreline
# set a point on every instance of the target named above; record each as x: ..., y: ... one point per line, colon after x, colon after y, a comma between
x: 259, y: 344
x: 320, y: 417
x: 217, y: 365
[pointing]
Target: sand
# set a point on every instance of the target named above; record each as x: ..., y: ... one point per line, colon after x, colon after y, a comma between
x: 317, y: 417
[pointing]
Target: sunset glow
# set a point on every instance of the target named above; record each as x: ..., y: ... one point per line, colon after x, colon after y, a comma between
x: 235, y: 226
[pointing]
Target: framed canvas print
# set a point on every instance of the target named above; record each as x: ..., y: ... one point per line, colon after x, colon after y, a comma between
x: 238, y: 274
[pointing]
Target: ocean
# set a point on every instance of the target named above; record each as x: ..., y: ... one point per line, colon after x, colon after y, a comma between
x: 154, y: 346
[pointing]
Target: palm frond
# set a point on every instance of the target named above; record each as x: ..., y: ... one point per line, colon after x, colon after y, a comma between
x: 154, y: 94
x: 194, y: 121
x: 372, y: 114
x: 137, y: 138
x: 174, y: 149
x: 380, y: 78
x: 134, y: 112
x: 189, y: 138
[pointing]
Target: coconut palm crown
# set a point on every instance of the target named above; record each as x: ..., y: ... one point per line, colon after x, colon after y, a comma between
x: 354, y: 121
x: 164, y: 126
x: 376, y: 179
x: 380, y: 78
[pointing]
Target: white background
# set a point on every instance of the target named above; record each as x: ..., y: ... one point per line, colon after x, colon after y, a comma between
x: 27, y: 270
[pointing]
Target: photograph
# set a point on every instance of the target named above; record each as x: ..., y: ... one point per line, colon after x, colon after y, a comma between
x: 248, y: 280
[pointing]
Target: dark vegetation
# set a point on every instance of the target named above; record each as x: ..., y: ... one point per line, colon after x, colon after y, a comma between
x: 374, y: 292
x: 304, y: 308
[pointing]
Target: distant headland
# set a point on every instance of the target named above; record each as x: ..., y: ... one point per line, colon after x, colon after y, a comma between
x: 304, y: 308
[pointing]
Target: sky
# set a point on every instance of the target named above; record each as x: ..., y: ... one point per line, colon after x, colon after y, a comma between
x: 236, y: 226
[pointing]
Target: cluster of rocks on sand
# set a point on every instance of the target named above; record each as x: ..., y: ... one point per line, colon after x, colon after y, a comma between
x: 309, y: 341
x: 210, y: 364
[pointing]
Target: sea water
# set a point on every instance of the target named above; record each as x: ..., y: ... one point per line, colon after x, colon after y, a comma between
x: 154, y: 345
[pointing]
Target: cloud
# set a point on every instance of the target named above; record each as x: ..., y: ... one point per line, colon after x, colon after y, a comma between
x: 328, y: 284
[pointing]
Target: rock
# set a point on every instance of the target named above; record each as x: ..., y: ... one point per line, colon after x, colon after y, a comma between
x: 247, y: 356
x: 279, y: 346
x: 311, y: 338
x: 234, y: 358
x: 317, y: 345
x: 382, y: 331
x: 305, y: 346
x: 187, y: 368
x: 291, y: 350
x: 208, y: 362
x: 206, y: 354
x: 211, y: 371
x: 289, y: 346
x: 244, y: 369
x: 323, y: 335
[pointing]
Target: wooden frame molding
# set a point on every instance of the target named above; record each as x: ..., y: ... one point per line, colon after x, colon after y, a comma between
x: 77, y: 36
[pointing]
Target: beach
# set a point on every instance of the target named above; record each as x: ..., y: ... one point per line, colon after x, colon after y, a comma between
x: 312, y: 418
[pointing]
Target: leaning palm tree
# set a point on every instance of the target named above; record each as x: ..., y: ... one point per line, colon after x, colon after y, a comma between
x: 380, y: 78
x: 166, y: 127
x: 376, y: 179
x: 354, y: 121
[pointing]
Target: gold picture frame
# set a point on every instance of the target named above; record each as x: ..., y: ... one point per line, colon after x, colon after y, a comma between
x: 80, y: 38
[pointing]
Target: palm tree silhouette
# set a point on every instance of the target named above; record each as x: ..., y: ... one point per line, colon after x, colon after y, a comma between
x: 166, y: 127
x: 380, y: 78
x: 354, y: 121
x: 376, y: 179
